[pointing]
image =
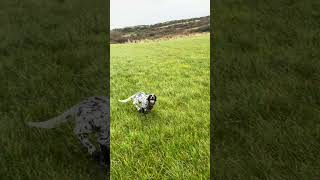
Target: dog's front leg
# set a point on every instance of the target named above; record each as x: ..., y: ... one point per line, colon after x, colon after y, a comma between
x: 105, y: 150
x: 104, y: 142
x: 136, y: 104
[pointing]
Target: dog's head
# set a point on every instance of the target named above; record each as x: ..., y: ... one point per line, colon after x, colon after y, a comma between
x: 152, y: 98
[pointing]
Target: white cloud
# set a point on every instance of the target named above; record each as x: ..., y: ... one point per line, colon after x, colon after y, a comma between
x: 140, y: 12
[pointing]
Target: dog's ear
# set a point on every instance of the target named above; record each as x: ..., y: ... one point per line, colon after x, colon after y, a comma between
x: 149, y: 97
x: 155, y: 97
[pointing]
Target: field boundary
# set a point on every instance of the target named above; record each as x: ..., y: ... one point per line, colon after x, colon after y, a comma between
x: 170, y: 37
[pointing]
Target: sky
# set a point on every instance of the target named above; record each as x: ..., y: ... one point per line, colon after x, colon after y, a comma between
x: 126, y: 13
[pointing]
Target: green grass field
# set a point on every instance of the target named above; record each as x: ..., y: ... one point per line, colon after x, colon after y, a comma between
x: 266, y: 90
x: 266, y: 93
x: 172, y: 142
x: 52, y: 55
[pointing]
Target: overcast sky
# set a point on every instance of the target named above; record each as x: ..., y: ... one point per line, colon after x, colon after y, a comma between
x: 143, y: 12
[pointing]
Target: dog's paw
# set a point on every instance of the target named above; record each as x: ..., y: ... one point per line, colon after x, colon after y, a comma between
x: 141, y: 110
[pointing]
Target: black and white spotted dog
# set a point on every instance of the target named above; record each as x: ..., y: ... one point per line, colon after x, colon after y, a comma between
x: 90, y: 115
x: 143, y: 102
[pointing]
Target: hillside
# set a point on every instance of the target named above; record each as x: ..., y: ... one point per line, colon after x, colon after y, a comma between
x: 160, y: 30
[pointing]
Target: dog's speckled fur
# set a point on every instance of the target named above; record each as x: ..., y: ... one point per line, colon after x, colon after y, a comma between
x: 91, y: 115
x: 142, y: 101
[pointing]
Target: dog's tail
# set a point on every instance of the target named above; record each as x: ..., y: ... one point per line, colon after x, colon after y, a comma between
x: 126, y: 100
x: 54, y: 122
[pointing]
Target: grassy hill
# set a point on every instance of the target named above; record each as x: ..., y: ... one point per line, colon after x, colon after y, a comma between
x: 160, y: 30
x: 52, y: 55
x: 172, y: 142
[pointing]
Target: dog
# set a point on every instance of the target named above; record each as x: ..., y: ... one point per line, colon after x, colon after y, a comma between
x: 90, y: 116
x: 143, y: 102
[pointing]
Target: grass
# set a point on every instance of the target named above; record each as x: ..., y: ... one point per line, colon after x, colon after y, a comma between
x: 266, y: 90
x: 172, y: 142
x: 52, y: 55
x: 266, y: 93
